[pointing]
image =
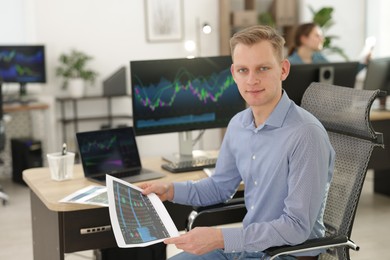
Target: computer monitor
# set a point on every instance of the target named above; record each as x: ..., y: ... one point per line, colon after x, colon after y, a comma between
x: 378, y: 77
x: 22, y: 64
x: 302, y: 75
x: 181, y: 95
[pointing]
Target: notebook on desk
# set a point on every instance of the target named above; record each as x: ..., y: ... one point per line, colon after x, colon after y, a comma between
x: 114, y: 152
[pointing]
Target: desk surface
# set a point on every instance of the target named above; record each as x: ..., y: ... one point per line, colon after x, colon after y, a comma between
x: 50, y: 191
x: 7, y: 108
x: 376, y: 115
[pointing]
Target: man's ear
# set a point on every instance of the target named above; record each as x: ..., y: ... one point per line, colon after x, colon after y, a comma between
x: 232, y: 70
x: 285, y: 69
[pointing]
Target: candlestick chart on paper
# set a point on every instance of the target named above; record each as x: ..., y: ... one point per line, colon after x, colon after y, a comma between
x: 138, y: 219
x: 167, y: 100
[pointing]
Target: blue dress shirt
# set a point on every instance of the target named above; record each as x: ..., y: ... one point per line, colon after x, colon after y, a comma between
x: 286, y: 165
x: 317, y: 57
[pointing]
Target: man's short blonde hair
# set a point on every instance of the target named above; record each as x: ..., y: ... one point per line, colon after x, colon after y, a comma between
x: 255, y: 34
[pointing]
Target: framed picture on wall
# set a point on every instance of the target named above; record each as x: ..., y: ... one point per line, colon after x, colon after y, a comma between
x: 164, y: 20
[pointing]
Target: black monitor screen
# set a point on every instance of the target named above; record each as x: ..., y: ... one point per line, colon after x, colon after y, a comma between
x: 23, y: 64
x: 302, y: 75
x: 183, y: 94
x: 378, y: 75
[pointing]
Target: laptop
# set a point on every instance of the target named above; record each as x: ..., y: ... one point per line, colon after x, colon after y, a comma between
x: 112, y: 151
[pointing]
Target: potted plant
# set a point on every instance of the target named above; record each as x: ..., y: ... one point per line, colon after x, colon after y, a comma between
x: 73, y: 69
x: 323, y: 17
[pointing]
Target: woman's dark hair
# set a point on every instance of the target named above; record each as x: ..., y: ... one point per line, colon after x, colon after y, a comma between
x: 302, y: 30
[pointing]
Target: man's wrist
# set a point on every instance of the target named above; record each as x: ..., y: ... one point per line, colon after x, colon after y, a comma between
x: 220, y: 240
x: 170, y: 191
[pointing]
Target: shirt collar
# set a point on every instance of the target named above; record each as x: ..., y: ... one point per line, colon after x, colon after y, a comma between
x: 275, y: 119
x: 278, y: 115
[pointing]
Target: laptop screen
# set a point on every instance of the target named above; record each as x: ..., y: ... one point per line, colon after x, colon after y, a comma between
x: 108, y: 151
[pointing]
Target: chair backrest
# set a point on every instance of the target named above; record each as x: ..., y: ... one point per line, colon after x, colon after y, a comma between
x: 2, y: 127
x: 344, y: 112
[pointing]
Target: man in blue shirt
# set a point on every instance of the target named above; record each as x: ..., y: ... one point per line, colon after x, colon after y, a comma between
x: 280, y: 151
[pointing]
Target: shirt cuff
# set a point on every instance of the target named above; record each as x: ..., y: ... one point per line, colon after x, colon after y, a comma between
x: 233, y: 239
x: 180, y: 190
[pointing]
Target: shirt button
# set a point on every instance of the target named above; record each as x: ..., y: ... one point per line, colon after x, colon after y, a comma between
x: 255, y: 182
x: 253, y: 157
x: 252, y: 207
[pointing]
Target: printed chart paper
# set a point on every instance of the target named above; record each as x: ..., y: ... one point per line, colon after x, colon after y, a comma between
x: 137, y: 220
x: 94, y: 195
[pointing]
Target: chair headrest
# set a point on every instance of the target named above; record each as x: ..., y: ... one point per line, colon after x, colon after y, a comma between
x: 342, y: 109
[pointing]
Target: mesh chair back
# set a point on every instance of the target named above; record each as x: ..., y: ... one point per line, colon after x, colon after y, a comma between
x: 344, y: 112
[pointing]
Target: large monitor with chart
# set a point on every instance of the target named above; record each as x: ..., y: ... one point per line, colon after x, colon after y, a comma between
x: 181, y: 95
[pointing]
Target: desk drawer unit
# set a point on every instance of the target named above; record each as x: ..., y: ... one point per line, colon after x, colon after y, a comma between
x: 56, y: 233
x: 86, y: 229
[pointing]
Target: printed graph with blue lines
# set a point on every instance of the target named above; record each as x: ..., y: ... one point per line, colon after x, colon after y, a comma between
x: 184, y: 94
x: 138, y: 220
x: 22, y: 64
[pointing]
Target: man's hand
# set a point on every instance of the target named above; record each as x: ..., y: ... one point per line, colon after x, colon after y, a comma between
x: 198, y: 241
x: 163, y: 190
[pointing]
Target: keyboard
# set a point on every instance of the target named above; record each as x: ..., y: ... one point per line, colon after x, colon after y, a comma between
x: 188, y: 166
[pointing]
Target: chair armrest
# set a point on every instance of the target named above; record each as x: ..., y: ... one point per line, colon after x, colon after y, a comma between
x: 235, y: 203
x: 312, y: 244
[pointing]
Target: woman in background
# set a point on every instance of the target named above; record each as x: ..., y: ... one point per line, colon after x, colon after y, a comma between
x: 308, y: 44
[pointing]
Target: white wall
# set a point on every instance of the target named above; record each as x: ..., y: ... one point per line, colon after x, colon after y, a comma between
x: 378, y: 19
x: 113, y: 32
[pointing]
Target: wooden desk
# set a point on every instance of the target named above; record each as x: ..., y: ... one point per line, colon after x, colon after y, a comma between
x: 8, y: 108
x: 380, y: 159
x: 56, y: 226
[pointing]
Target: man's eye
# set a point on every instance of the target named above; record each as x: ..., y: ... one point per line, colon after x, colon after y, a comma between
x: 242, y: 70
x: 264, y: 69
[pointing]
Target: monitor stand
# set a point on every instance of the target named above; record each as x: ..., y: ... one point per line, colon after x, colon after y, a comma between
x: 185, y: 150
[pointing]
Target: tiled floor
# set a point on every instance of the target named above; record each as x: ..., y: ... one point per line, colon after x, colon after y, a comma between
x: 371, y: 229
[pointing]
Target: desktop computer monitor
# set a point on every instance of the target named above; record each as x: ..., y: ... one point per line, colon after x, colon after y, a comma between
x: 302, y: 75
x: 181, y: 95
x: 378, y: 77
x: 22, y: 64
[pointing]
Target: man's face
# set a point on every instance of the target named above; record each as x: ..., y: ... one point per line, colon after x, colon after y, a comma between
x: 258, y: 74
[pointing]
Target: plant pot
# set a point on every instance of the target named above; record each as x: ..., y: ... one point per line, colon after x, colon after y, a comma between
x: 76, y: 88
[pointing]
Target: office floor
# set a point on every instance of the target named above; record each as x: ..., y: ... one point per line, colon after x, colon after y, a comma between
x: 371, y: 229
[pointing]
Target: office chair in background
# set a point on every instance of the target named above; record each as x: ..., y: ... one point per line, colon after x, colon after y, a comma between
x: 344, y: 112
x: 3, y: 196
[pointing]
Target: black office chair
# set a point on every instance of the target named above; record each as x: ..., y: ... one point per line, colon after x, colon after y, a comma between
x: 344, y: 112
x: 3, y: 196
